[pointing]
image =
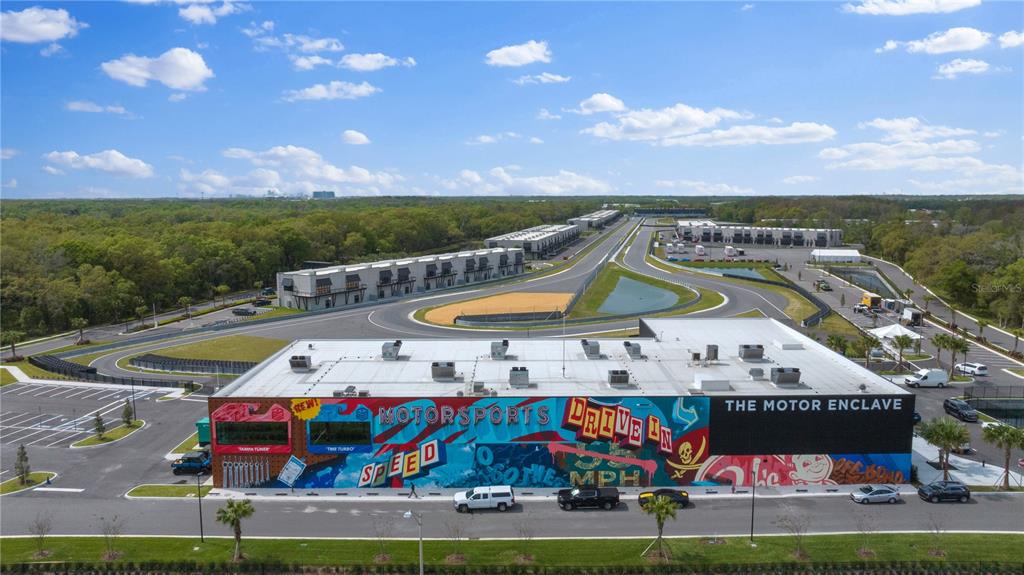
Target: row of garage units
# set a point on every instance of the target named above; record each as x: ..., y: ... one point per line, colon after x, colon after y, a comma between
x: 704, y: 231
x: 538, y: 242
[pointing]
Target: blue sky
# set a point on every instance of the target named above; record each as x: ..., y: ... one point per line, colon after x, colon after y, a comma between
x: 180, y: 99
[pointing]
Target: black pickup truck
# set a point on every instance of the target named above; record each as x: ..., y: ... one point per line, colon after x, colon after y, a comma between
x: 606, y: 498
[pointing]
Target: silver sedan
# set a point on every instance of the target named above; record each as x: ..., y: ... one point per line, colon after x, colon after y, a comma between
x: 876, y: 494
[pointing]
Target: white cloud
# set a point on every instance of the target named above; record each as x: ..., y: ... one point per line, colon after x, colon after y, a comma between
x: 51, y: 50
x: 8, y: 153
x: 260, y: 29
x: 206, y: 13
x: 308, y: 170
x: 911, y: 129
x: 373, y: 62
x: 53, y: 171
x: 994, y: 133
x: 997, y: 179
x: 212, y: 182
x: 906, y: 7
x: 354, y: 138
x: 297, y: 42
x: 519, y: 54
x: 37, y: 24
x: 959, y: 39
x: 793, y: 180
x: 747, y: 7
x: 648, y: 125
x: 177, y: 68
x: 950, y: 70
x: 11, y: 184
x: 309, y: 62
x: 92, y: 107
x: 749, y: 135
x: 177, y: 97
x: 600, y: 102
x: 536, y: 140
x: 493, y: 138
x: 704, y: 188
x: 544, y: 114
x: 111, y: 161
x: 542, y: 78
x: 335, y: 90
x: 1011, y: 39
x: 562, y: 183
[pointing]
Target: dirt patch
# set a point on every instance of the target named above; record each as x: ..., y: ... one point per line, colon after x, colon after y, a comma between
x: 936, y: 553
x: 112, y: 555
x: 381, y: 558
x: 518, y: 302
x: 455, y: 559
x: 42, y: 554
x: 524, y: 559
x: 865, y: 553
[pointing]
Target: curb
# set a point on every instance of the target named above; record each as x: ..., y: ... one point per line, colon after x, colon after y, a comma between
x: 33, y: 488
x: 144, y: 424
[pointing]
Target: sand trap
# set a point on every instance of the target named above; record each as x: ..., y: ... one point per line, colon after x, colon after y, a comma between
x: 505, y: 303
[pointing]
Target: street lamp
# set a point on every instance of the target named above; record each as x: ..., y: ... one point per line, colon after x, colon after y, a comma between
x: 199, y: 499
x: 753, y: 491
x: 419, y: 525
x: 135, y: 411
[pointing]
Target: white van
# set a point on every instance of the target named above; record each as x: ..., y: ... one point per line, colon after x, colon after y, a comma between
x: 971, y: 368
x: 927, y: 378
x: 499, y: 497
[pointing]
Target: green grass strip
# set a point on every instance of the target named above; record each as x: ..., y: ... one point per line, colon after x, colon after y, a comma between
x: 153, y: 490
x: 605, y: 282
x: 7, y: 378
x: 35, y: 478
x: 111, y: 435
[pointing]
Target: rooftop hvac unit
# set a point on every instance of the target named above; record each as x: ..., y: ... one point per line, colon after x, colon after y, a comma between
x: 499, y: 349
x: 618, y: 377
x: 633, y: 349
x: 390, y: 349
x: 694, y: 356
x: 756, y: 373
x: 519, y: 377
x: 364, y: 393
x: 478, y: 387
x: 591, y: 348
x: 300, y: 363
x: 750, y: 351
x: 786, y: 375
x: 711, y: 354
x: 442, y: 370
x: 347, y: 392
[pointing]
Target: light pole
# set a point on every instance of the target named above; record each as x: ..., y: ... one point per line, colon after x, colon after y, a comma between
x: 199, y: 499
x: 419, y: 525
x: 135, y: 411
x: 753, y: 491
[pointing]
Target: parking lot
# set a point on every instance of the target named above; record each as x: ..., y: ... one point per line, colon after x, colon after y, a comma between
x: 57, y: 415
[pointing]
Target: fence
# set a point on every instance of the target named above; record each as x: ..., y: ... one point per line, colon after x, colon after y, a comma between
x: 84, y: 373
x: 164, y: 363
x: 814, y: 318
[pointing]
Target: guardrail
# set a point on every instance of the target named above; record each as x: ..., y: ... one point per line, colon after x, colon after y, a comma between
x: 814, y: 318
x: 58, y: 366
x: 187, y: 365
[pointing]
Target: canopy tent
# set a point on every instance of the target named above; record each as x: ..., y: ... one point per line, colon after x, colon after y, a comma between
x: 835, y: 256
x: 891, y: 331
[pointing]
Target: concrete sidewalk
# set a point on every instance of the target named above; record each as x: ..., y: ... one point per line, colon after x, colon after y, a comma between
x: 970, y: 472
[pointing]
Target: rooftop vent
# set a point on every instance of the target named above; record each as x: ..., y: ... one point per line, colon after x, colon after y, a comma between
x: 711, y: 353
x: 750, y: 352
x: 390, y: 349
x: 442, y: 370
x: 633, y: 349
x: 347, y: 392
x: 707, y: 382
x: 300, y: 363
x: 499, y: 349
x: 478, y: 388
x: 618, y: 377
x: 591, y: 348
x: 364, y: 393
x: 519, y: 377
x: 756, y: 373
x: 787, y: 344
x: 786, y: 375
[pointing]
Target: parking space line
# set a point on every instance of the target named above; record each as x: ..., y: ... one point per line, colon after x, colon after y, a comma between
x: 114, y: 394
x: 71, y: 435
x: 16, y: 387
x: 45, y: 390
x: 11, y: 421
x: 88, y: 395
x: 77, y: 393
x: 23, y: 438
x: 62, y: 391
x: 30, y: 389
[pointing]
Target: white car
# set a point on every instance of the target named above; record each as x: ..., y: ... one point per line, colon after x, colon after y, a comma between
x: 499, y: 497
x: 876, y: 494
x: 970, y: 368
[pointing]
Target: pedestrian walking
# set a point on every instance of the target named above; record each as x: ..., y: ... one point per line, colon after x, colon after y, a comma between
x: 412, y: 491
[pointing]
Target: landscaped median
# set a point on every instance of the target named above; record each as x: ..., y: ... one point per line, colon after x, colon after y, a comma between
x: 833, y: 554
x: 116, y: 434
x: 35, y: 479
x: 164, y: 490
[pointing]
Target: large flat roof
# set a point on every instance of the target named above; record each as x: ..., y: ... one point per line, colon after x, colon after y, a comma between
x: 400, y: 262
x: 558, y: 367
x: 533, y: 234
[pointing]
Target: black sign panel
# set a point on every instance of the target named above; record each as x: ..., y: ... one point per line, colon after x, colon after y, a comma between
x: 828, y: 424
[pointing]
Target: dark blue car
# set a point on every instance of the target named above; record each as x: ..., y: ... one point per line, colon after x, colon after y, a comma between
x: 192, y: 462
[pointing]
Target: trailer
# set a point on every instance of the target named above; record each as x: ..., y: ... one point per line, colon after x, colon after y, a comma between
x: 911, y: 317
x: 872, y: 300
x: 699, y: 251
x: 730, y: 252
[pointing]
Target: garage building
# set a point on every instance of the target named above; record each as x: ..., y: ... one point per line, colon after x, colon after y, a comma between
x: 689, y: 402
x: 595, y: 220
x: 537, y: 242
x: 709, y: 232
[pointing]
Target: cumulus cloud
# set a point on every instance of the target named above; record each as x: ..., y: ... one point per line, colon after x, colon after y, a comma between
x: 354, y: 138
x: 961, y: 39
x: 37, y: 24
x: 702, y: 188
x: 747, y: 7
x: 51, y: 50
x: 110, y: 161
x: 493, y: 138
x: 307, y: 170
x: 536, y: 140
x: 542, y: 78
x: 600, y: 102
x: 177, y: 68
x: 335, y: 90
x: 263, y: 40
x: 11, y: 183
x: 562, y: 183
x: 907, y: 7
x: 8, y: 153
x: 544, y: 114
x: 93, y: 108
x: 793, y: 180
x: 954, y: 68
x: 1011, y: 39
x: 519, y: 54
x: 309, y: 62
x: 214, y: 183
x: 207, y: 13
x: 911, y: 129
x: 373, y: 62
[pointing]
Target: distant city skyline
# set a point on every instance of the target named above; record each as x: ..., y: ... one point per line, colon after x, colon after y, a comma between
x: 181, y: 98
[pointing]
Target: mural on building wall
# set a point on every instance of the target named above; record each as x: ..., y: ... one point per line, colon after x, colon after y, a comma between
x: 538, y: 442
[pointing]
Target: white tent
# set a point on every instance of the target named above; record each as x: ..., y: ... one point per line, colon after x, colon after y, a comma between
x: 890, y: 331
x: 835, y: 256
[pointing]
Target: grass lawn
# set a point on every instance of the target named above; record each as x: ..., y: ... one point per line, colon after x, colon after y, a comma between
x: 605, y: 283
x: 276, y: 311
x: 1017, y: 370
x: 232, y: 347
x: 6, y: 378
x: 185, y: 446
x: 88, y: 358
x: 111, y: 434
x: 183, y: 490
x: 760, y: 266
x: 617, y: 333
x: 73, y: 347
x: 751, y: 313
x: 916, y: 356
x: 34, y: 479
x: 834, y: 323
x: 594, y: 552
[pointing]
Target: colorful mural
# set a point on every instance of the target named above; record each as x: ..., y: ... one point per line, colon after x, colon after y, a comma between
x: 535, y: 442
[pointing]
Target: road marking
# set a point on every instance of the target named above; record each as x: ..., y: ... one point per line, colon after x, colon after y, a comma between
x: 11, y: 420
x: 29, y: 390
x: 77, y: 393
x: 63, y: 391
x: 69, y: 437
x: 60, y: 489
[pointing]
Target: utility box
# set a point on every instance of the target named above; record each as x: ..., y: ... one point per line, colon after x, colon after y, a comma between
x: 203, y: 431
x: 591, y: 348
x: 751, y: 352
x: 633, y: 349
x: 499, y: 349
x: 442, y: 370
x: 390, y: 350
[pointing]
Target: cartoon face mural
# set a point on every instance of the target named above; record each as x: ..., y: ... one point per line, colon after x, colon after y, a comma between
x: 536, y: 442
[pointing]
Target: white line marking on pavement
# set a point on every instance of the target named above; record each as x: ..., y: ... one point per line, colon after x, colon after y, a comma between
x: 11, y: 421
x: 70, y: 436
x: 29, y: 390
x: 59, y: 489
x: 63, y: 391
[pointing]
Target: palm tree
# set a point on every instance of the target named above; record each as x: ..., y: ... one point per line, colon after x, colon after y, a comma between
x: 222, y: 290
x: 186, y: 302
x: 982, y: 324
x: 80, y: 323
x: 836, y: 342
x: 957, y: 345
x: 902, y: 342
x: 947, y: 434
x: 661, y: 508
x: 1016, y: 338
x: 232, y: 515
x: 11, y: 338
x: 1007, y: 438
x: 908, y: 292
x: 940, y: 341
x: 870, y: 342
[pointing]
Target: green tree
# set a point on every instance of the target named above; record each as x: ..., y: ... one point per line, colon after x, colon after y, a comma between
x: 868, y: 344
x: 223, y: 290
x: 1007, y: 438
x: 661, y: 508
x: 98, y: 425
x: 957, y: 345
x: 232, y: 515
x: 127, y: 413
x: 80, y: 323
x: 902, y: 342
x: 928, y: 299
x: 982, y: 324
x: 141, y: 312
x: 11, y: 338
x: 941, y: 342
x: 186, y: 302
x: 946, y: 434
x: 836, y: 342
x: 21, y: 466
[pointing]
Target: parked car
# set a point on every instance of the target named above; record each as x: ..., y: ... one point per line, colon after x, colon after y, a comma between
x: 960, y: 409
x: 261, y: 302
x: 859, y: 308
x: 192, y: 462
x: 243, y: 311
x: 971, y: 368
x: 964, y: 449
x: 945, y: 491
x: 606, y: 498
x: 679, y: 497
x: 267, y: 291
x: 499, y: 497
x: 927, y: 378
x: 876, y: 494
